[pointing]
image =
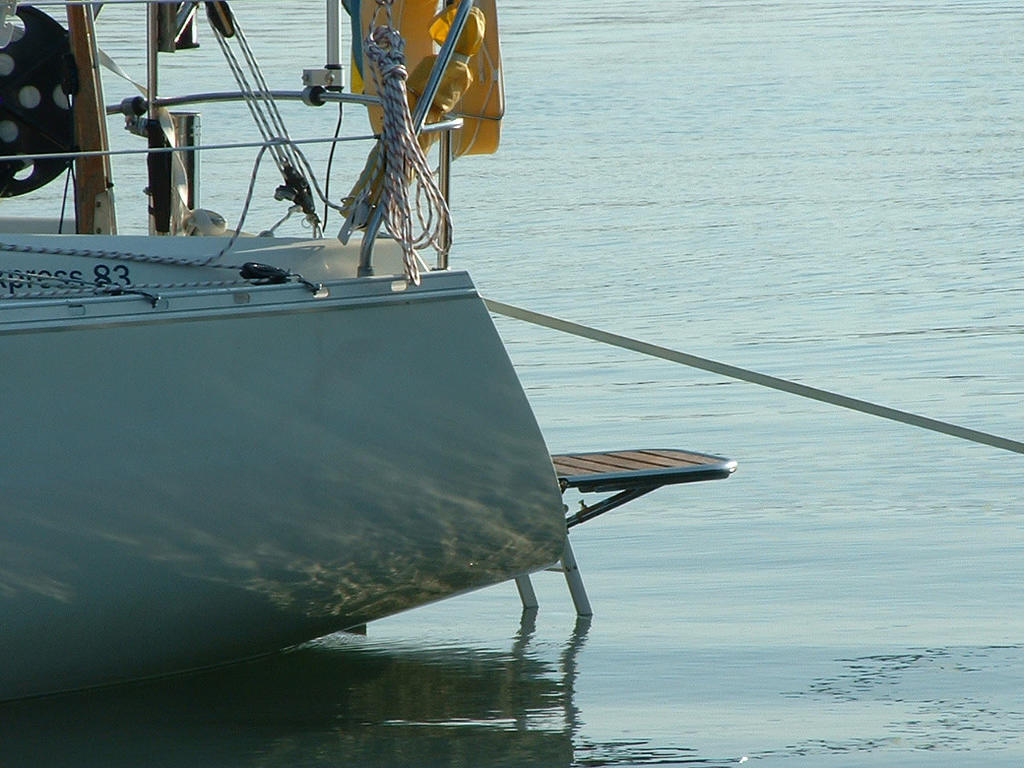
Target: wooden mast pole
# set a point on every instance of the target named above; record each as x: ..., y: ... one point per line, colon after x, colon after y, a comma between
x: 94, y: 196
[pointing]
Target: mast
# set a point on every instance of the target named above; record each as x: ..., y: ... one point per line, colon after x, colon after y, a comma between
x: 94, y: 198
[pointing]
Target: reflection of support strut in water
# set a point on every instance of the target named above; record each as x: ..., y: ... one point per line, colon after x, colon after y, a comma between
x: 569, y: 672
x: 567, y: 666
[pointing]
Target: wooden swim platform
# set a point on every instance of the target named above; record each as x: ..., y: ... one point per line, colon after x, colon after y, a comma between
x: 627, y: 475
x: 642, y: 468
x: 631, y: 474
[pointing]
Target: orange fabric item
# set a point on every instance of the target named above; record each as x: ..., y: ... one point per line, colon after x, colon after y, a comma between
x: 457, y: 77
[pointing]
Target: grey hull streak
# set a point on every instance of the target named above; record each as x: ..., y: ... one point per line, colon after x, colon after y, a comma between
x: 240, y: 470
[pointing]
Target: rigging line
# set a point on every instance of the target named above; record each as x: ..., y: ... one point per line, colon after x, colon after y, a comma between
x: 245, y: 210
x: 73, y: 285
x: 64, y: 201
x: 142, y: 258
x: 753, y: 377
x: 330, y: 165
x: 197, y: 148
x: 262, y: 90
x: 260, y: 99
x: 249, y: 97
x: 295, y: 169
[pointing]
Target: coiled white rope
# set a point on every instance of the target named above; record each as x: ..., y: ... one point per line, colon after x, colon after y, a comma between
x: 406, y: 171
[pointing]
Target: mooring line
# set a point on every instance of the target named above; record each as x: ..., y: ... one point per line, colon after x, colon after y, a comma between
x: 761, y: 379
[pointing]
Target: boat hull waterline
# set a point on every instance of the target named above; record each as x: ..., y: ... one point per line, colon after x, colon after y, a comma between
x: 224, y: 472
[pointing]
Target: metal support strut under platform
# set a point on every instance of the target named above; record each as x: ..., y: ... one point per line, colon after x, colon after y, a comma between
x: 628, y: 475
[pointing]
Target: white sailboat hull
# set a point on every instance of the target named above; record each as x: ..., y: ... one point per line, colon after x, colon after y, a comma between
x: 236, y: 470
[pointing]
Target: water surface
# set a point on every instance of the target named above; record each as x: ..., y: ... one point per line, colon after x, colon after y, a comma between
x: 829, y: 192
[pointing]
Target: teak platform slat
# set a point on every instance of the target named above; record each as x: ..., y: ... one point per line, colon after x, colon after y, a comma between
x: 638, y: 469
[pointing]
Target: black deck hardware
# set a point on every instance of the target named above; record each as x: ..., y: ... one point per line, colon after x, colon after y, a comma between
x: 631, y: 474
x: 264, y: 274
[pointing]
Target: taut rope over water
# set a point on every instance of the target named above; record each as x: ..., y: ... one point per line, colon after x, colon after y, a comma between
x: 761, y: 379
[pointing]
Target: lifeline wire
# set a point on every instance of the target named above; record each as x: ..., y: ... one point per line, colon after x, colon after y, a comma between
x: 761, y: 379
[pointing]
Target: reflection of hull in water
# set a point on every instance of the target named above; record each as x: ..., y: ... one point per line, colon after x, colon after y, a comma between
x: 342, y: 702
x: 245, y: 468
